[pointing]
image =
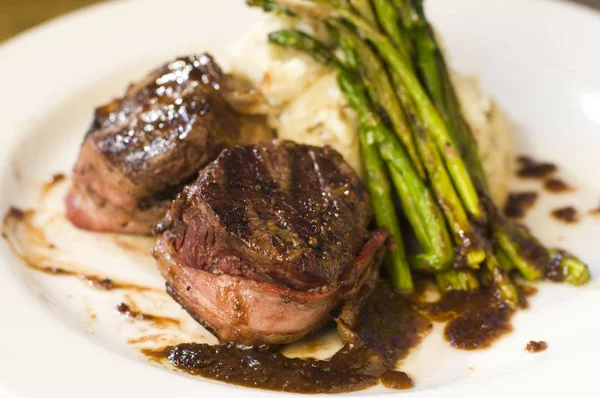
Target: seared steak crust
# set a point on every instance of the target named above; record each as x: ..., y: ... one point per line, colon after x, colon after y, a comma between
x: 277, y: 212
x: 268, y: 241
x: 142, y: 147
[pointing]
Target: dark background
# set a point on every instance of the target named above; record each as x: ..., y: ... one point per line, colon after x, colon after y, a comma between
x: 18, y: 15
x: 591, y: 3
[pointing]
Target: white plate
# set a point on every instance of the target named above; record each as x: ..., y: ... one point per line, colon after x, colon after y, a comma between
x: 61, y: 338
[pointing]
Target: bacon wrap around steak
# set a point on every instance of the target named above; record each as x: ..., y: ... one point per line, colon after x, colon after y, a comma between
x: 269, y: 241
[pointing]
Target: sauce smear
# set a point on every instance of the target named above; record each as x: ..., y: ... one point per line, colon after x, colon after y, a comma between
x: 386, y: 329
x: 25, y: 239
x: 127, y: 311
x: 536, y: 346
x: 518, y: 203
x: 475, y: 319
x: 556, y: 185
x: 531, y: 168
x: 566, y: 214
x: 397, y: 380
x: 52, y: 182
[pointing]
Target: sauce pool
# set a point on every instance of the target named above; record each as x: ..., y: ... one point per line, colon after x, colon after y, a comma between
x: 386, y: 330
x: 475, y: 320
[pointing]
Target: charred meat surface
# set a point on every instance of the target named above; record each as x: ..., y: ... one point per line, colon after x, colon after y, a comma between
x: 143, y: 147
x: 268, y: 241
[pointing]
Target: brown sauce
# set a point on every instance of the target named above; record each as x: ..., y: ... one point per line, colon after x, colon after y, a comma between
x: 97, y: 282
x: 566, y: 214
x: 475, y: 320
x: 397, y: 380
x: 16, y: 213
x: 17, y: 220
x: 518, y: 203
x: 388, y: 327
x: 536, y: 346
x: 131, y: 312
x: 135, y: 244
x: 556, y: 185
x: 527, y: 291
x: 531, y: 168
x: 386, y: 333
x: 52, y: 182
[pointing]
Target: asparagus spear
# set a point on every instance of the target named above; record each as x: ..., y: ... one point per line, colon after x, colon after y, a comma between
x: 302, y: 41
x: 456, y: 216
x: 383, y: 205
x: 402, y: 171
x: 378, y: 84
x: 270, y: 6
x: 380, y: 191
x: 517, y: 248
x: 380, y: 89
x: 504, y: 261
x: 436, y: 79
x: 529, y: 269
x: 460, y: 225
x: 364, y: 8
x: 421, y: 211
x: 569, y: 268
x: 427, y: 112
x: 455, y: 280
x: 502, y: 285
x: 388, y: 18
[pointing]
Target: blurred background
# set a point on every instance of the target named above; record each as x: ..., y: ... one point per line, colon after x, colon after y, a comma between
x: 19, y: 15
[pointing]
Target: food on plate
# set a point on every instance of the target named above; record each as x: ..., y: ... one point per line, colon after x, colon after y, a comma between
x: 383, y: 334
x: 384, y: 185
x: 418, y: 149
x: 311, y: 109
x: 142, y: 148
x: 268, y: 241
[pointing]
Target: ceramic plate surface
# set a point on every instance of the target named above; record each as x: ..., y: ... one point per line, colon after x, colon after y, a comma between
x: 62, y: 336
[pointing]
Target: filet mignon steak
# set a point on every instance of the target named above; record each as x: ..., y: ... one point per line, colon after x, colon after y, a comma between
x: 269, y: 240
x: 143, y: 147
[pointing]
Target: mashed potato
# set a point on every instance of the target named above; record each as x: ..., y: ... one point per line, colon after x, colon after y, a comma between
x: 492, y: 132
x: 311, y: 109
x: 282, y: 74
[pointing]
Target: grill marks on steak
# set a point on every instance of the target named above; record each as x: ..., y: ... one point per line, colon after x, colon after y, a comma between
x: 279, y: 212
x: 268, y: 241
x: 142, y: 148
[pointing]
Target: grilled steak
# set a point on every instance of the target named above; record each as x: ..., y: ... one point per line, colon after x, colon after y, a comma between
x: 268, y: 241
x: 142, y: 148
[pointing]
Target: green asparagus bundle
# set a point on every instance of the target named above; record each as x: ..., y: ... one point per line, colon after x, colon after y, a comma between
x: 417, y: 146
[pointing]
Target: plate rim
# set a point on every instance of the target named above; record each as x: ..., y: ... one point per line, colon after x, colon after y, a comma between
x: 185, y: 384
